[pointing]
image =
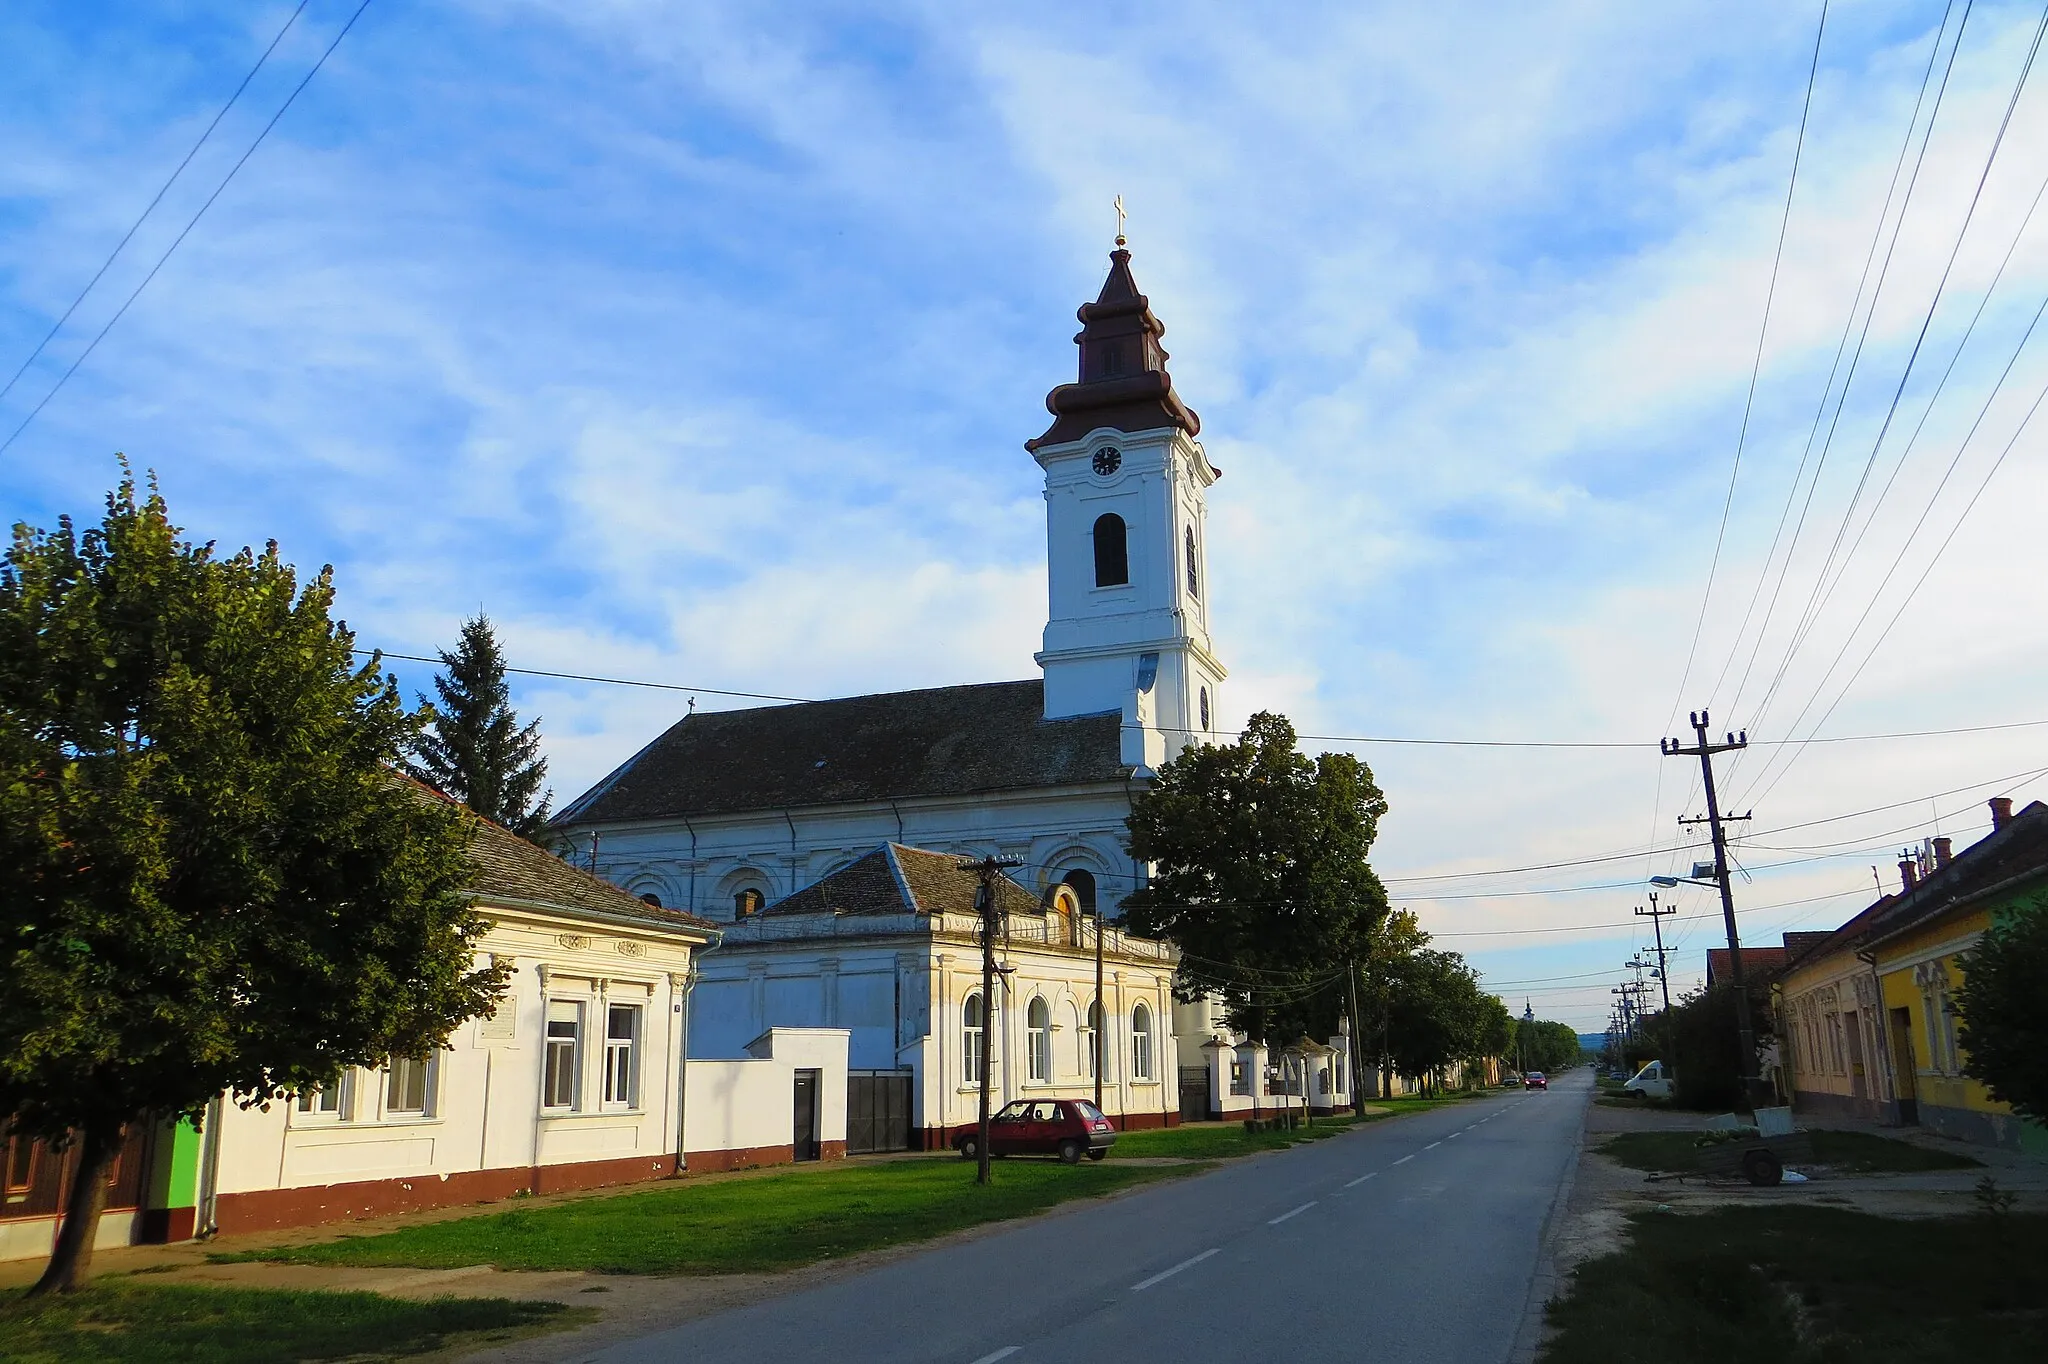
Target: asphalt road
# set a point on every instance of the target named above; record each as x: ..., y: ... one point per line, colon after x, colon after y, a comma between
x: 1409, y: 1240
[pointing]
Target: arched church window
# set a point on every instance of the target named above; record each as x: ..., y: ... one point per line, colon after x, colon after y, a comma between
x: 1082, y: 882
x: 973, y: 1036
x: 1038, y: 1038
x: 1205, y: 709
x: 1112, y: 558
x: 747, y: 903
x: 1194, y: 579
x: 650, y: 898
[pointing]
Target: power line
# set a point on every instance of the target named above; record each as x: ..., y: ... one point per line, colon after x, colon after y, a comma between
x: 615, y: 681
x: 93, y: 345
x: 164, y: 189
x: 1756, y: 366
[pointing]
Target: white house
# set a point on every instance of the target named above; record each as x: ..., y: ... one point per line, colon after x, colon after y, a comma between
x: 577, y: 1080
x: 888, y: 949
x: 729, y: 811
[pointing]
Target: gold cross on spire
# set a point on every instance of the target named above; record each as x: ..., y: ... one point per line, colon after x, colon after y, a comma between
x: 1118, y: 205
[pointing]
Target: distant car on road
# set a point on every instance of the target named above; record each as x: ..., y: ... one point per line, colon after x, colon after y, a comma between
x: 1067, y: 1128
x: 1534, y: 1080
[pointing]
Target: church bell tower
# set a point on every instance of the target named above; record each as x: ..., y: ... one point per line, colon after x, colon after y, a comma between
x: 1127, y: 628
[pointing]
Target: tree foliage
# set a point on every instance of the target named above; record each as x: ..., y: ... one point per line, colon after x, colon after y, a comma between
x: 2004, y: 1030
x: 1261, y: 876
x: 1698, y: 1039
x: 211, y: 879
x: 1544, y: 1045
x: 473, y: 747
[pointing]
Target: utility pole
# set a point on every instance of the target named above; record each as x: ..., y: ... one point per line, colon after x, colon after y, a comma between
x: 1099, y: 1016
x: 1657, y: 916
x: 988, y: 899
x: 1357, y: 1057
x: 1705, y: 750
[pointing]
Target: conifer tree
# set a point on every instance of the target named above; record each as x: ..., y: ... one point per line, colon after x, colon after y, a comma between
x: 474, y: 748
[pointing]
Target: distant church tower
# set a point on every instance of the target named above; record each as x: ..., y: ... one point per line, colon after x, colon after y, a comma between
x: 1128, y: 622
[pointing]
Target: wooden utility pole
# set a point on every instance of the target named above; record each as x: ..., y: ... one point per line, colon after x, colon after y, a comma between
x: 1656, y: 917
x: 989, y: 900
x: 1705, y: 750
x: 1099, y: 1017
x: 1357, y: 1057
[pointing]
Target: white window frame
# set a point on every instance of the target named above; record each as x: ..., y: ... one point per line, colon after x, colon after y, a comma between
x: 622, y: 1063
x: 430, y: 1070
x: 1091, y: 1047
x: 1141, y: 1042
x: 1038, y: 1041
x: 578, y: 1020
x: 307, y: 1108
x: 974, y: 1050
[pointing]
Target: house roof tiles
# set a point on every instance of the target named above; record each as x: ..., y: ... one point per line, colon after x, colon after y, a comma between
x: 940, y: 741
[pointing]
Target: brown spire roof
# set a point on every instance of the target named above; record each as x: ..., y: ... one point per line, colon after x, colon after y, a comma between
x: 1123, y: 380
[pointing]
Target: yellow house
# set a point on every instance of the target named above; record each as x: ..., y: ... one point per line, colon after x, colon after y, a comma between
x: 1919, y: 953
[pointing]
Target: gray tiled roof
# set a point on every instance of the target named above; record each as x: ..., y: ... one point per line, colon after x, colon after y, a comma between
x: 894, y: 879
x: 941, y: 741
x: 505, y: 866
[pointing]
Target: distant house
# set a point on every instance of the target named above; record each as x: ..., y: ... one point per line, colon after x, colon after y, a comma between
x: 575, y: 1081
x: 1869, y: 1012
x: 888, y: 948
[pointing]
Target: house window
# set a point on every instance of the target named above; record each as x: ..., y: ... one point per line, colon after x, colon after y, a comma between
x: 1194, y: 578
x: 1092, y: 1050
x: 747, y: 903
x: 21, y: 1162
x: 324, y: 1101
x: 973, y: 1040
x: 622, y: 1055
x: 1141, y: 1043
x: 1941, y: 1018
x: 1112, y: 557
x: 407, y: 1082
x: 560, y: 1085
x: 1038, y: 1040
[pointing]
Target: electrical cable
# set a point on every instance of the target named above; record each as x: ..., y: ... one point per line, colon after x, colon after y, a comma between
x: 162, y: 190
x: 120, y: 312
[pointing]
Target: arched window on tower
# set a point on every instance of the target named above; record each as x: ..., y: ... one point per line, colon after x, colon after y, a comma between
x: 1194, y: 577
x: 1112, y: 559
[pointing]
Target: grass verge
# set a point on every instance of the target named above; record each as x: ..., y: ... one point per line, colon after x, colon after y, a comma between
x: 1855, y: 1152
x: 1798, y: 1283
x: 1220, y: 1140
x: 114, y: 1322
x: 740, y: 1226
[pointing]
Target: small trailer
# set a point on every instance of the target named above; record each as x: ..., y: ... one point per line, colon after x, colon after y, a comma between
x: 1758, y: 1159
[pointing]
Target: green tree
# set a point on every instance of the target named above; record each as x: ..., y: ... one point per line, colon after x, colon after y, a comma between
x: 1261, y: 876
x: 1393, y: 940
x: 474, y: 748
x: 1438, y: 1014
x: 211, y: 878
x: 2004, y: 1030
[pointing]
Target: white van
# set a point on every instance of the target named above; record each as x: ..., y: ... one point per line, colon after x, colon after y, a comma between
x: 1652, y: 1082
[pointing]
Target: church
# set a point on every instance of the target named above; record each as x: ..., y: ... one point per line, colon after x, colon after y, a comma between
x: 729, y: 812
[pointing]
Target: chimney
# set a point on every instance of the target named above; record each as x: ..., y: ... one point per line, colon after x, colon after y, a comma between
x: 1909, y: 874
x: 1943, y: 851
x: 2001, y: 812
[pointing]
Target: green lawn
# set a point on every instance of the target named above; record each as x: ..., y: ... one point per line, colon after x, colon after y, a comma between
x: 771, y: 1222
x: 113, y: 1322
x: 1795, y: 1283
x: 1220, y: 1140
x: 1858, y: 1152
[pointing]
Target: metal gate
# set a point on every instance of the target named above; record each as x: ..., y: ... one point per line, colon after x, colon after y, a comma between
x: 804, y: 1138
x: 1194, y: 1093
x: 877, y: 1111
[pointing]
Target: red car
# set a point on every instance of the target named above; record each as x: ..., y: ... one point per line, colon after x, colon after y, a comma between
x: 1067, y: 1128
x: 1534, y: 1080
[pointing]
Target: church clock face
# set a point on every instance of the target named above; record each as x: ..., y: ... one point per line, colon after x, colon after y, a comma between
x: 1108, y: 460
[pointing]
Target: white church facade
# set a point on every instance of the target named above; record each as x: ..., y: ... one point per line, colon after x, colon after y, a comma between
x: 728, y: 812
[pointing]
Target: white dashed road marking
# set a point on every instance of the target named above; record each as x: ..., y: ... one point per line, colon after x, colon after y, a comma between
x: 1144, y: 1284
x: 1292, y: 1212
x: 1404, y: 1160
x: 1432, y: 1146
x: 1361, y: 1179
x: 1003, y: 1353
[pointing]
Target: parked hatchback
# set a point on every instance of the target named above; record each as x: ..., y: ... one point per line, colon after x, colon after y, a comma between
x: 1535, y: 1080
x: 1067, y: 1128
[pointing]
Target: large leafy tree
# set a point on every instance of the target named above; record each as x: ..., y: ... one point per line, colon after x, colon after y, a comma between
x: 211, y: 878
x: 1260, y: 876
x: 2004, y: 1032
x: 474, y: 747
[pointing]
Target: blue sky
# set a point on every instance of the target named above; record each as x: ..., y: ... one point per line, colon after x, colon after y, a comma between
x: 699, y: 343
